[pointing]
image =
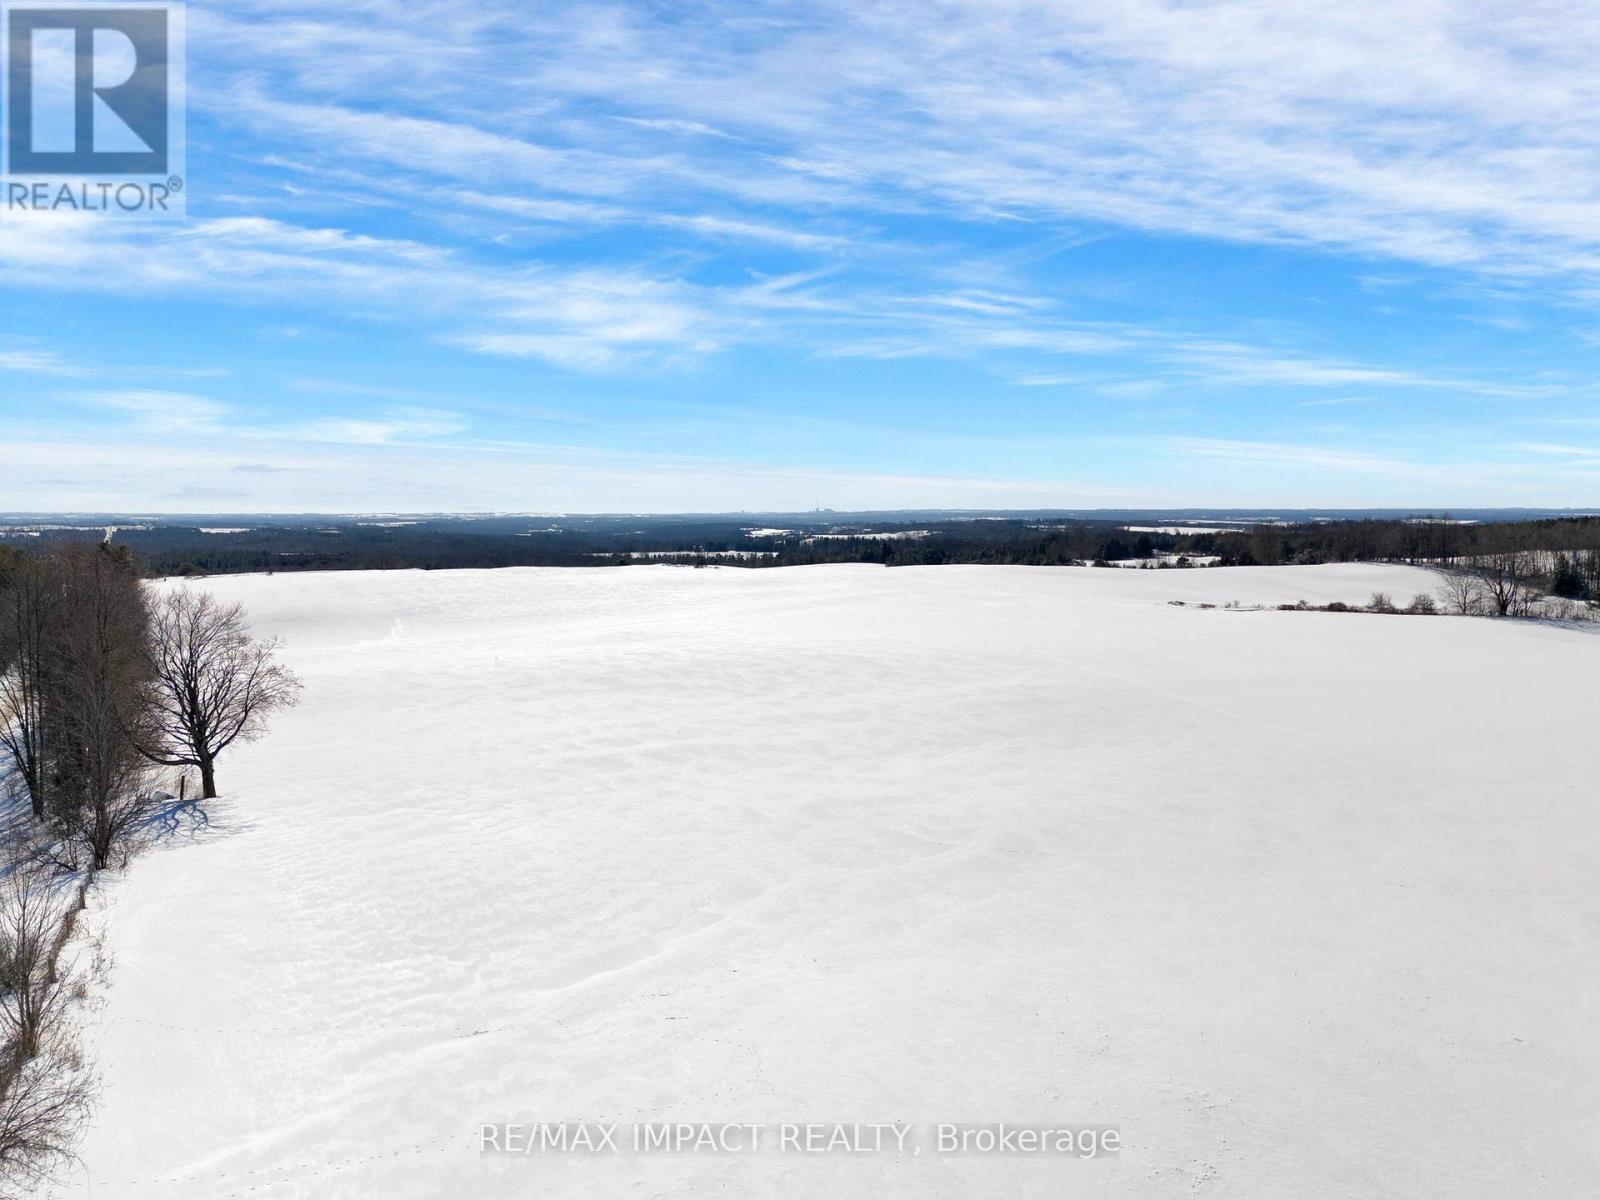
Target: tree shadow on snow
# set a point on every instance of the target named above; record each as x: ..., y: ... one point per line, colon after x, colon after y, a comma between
x: 16, y: 813
x: 170, y: 819
x: 1577, y: 625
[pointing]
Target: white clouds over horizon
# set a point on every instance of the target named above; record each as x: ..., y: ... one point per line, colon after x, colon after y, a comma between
x: 1148, y: 223
x: 1441, y: 133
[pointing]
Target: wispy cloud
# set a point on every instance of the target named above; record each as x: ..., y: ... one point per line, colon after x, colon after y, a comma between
x: 961, y: 211
x: 411, y: 424
x: 588, y: 318
x: 157, y: 411
x: 1575, y: 455
x: 39, y: 362
x: 1440, y: 134
x: 188, y: 416
x: 1298, y: 456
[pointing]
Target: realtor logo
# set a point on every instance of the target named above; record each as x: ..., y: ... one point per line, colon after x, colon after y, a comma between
x: 94, y: 106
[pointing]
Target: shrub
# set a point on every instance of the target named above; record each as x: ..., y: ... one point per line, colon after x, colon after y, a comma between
x: 1561, y: 609
x: 1422, y: 604
x: 1380, y: 603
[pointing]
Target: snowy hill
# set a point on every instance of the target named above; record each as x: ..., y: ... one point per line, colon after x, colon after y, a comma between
x: 1303, y: 904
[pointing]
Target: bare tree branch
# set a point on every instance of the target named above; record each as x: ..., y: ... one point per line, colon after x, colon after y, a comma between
x: 214, y: 684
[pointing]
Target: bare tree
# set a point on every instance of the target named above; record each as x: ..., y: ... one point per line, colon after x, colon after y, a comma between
x: 1508, y: 580
x: 44, y: 1102
x: 1460, y: 592
x: 44, y: 1088
x: 97, y: 710
x: 214, y: 683
x: 28, y: 611
x: 33, y: 913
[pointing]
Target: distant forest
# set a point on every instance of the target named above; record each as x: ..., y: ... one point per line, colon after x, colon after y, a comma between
x: 1566, y: 548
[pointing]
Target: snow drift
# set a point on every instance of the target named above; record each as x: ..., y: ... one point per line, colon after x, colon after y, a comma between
x: 1301, y: 903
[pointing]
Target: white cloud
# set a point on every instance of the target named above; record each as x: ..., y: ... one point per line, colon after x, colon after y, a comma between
x: 182, y: 415
x: 39, y: 362
x: 572, y: 316
x: 158, y: 411
x: 1441, y: 133
x: 1300, y: 457
x: 88, y: 475
x: 405, y: 425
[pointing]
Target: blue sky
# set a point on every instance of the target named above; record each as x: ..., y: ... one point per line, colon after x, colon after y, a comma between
x: 453, y: 255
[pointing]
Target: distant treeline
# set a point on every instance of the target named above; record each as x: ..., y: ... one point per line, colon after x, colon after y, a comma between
x: 1408, y: 541
x: 164, y: 549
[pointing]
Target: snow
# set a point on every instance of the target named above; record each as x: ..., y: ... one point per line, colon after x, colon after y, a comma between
x: 1179, y: 529
x: 1193, y: 560
x: 688, y: 554
x: 111, y: 531
x: 1302, y: 903
x: 891, y: 536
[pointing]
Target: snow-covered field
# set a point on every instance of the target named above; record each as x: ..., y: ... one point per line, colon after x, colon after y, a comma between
x: 1304, y: 904
x: 1185, y: 529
